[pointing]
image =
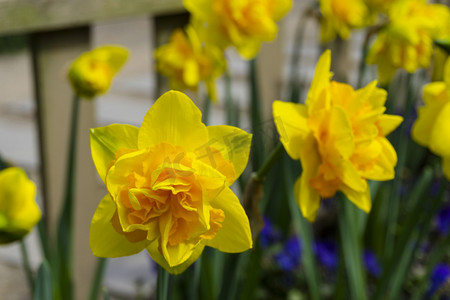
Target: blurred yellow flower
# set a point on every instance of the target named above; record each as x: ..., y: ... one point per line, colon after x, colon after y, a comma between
x: 339, y: 137
x: 432, y: 127
x: 406, y: 42
x: 379, y: 5
x: 168, y: 184
x: 339, y: 17
x: 92, y: 72
x: 19, y: 212
x: 244, y: 24
x: 187, y: 62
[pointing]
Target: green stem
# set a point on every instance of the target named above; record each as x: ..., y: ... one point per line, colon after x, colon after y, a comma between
x: 268, y: 164
x: 304, y: 232
x: 231, y: 120
x: 65, y: 229
x: 162, y: 284
x: 400, y: 143
x: 27, y: 266
x: 206, y: 109
x: 258, y: 144
x: 362, y: 62
x: 98, y: 278
x: 348, y: 229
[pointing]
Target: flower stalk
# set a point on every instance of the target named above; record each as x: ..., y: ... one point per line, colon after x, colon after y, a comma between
x: 162, y: 284
x: 65, y: 228
x: 27, y: 265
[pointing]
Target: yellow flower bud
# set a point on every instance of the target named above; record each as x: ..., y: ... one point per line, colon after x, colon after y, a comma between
x: 92, y: 72
x: 18, y: 209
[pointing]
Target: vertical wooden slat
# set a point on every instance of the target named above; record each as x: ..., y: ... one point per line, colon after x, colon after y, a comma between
x: 52, y: 54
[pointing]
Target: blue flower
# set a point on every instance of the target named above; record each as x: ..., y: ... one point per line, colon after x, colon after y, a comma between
x: 443, y: 221
x: 440, y: 275
x: 371, y: 263
x: 269, y: 234
x: 289, y: 258
x: 326, y: 252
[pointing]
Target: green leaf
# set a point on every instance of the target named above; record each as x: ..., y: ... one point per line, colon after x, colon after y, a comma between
x: 350, y: 243
x: 303, y: 229
x: 43, y: 285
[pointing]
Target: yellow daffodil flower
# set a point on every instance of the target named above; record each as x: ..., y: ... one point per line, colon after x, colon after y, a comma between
x: 92, y: 72
x: 406, y: 42
x: 432, y: 127
x: 186, y: 62
x: 339, y: 137
x: 168, y: 184
x: 244, y: 24
x: 339, y: 17
x: 19, y: 212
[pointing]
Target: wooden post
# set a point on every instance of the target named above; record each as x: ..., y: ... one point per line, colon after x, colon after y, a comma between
x: 52, y: 54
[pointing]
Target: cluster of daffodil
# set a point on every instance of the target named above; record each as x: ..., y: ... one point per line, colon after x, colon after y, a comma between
x: 196, y: 54
x: 405, y: 30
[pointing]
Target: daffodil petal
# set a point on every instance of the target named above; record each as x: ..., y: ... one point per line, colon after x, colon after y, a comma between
x: 160, y: 260
x: 440, y: 134
x: 292, y: 126
x: 389, y: 123
x: 307, y: 198
x: 321, y: 79
x: 281, y: 8
x: 191, y: 74
x: 235, y: 235
x: 383, y: 165
x: 249, y: 48
x: 434, y: 96
x: 351, y: 177
x: 360, y: 199
x: 164, y: 122
x: 116, y: 55
x: 446, y: 167
x: 104, y: 240
x: 177, y: 254
x: 106, y: 141
x: 233, y: 144
x: 202, y: 9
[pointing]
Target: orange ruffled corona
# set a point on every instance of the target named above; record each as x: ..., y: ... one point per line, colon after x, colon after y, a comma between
x: 244, y: 24
x: 407, y: 41
x: 339, y: 137
x: 168, y: 184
